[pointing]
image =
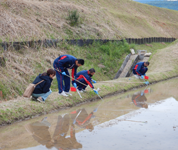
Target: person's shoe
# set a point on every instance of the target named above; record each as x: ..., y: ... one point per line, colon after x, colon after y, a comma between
x: 63, y: 93
x: 33, y: 98
x: 81, y: 91
x: 40, y: 99
x: 137, y: 77
x: 67, y: 93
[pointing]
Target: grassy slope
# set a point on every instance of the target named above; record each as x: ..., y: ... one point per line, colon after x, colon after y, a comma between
x: 27, y: 19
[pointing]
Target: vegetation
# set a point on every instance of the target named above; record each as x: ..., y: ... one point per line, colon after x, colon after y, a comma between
x: 73, y: 17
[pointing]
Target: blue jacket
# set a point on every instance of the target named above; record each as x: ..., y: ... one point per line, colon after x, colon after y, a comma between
x: 83, y: 76
x: 66, y: 61
x: 44, y: 86
x: 138, y: 67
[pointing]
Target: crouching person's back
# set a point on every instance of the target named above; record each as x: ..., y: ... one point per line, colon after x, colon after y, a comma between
x: 42, y: 90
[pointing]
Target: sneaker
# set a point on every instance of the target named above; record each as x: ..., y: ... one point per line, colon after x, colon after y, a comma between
x: 67, y: 93
x: 63, y: 93
x: 137, y: 77
x: 40, y: 99
x: 33, y: 98
x: 81, y: 91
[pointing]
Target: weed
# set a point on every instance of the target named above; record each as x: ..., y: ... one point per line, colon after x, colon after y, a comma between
x: 73, y: 17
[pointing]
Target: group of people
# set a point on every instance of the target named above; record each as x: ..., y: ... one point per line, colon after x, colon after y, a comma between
x: 80, y: 80
x: 61, y: 65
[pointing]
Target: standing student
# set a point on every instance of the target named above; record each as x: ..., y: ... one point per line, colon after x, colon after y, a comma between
x: 61, y: 65
x: 84, y: 78
x: 42, y: 90
x: 140, y: 69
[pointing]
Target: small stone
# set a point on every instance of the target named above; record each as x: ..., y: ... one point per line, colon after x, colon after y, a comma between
x: 101, y: 66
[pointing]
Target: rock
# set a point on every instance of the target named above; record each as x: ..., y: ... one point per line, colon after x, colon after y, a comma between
x: 101, y: 66
x: 147, y: 54
x: 132, y: 51
x: 49, y: 60
x: 149, y: 45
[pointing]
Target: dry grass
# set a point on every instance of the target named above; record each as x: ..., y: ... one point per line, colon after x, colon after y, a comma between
x: 35, y: 19
x: 165, y: 59
x: 22, y: 67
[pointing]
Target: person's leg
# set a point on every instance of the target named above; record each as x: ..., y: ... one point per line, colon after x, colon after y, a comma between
x: 144, y: 70
x: 81, y: 86
x: 135, y: 74
x: 60, y: 79
x: 67, y: 81
x: 43, y: 95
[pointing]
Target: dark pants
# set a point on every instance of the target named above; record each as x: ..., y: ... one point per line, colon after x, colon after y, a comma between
x: 81, y: 86
x: 61, y: 78
x: 142, y: 71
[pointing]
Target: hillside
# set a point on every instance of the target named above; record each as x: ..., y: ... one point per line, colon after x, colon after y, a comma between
x: 39, y: 19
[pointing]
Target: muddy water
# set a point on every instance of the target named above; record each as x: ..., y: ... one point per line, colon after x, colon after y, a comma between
x: 145, y: 118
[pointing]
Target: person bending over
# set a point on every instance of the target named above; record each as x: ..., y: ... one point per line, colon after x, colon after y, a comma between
x: 61, y: 64
x: 84, y: 78
x: 140, y: 69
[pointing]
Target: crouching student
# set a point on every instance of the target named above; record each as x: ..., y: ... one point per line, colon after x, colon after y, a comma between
x: 42, y: 90
x: 140, y: 69
x: 84, y: 78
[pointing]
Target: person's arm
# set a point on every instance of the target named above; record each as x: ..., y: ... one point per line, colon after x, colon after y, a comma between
x: 74, y: 71
x: 88, y: 81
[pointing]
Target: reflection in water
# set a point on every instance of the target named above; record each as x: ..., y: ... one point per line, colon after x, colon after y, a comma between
x: 40, y: 132
x: 60, y: 140
x: 83, y: 119
x: 139, y: 99
x: 115, y: 123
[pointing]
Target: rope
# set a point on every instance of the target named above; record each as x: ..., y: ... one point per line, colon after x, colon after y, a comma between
x: 118, y: 82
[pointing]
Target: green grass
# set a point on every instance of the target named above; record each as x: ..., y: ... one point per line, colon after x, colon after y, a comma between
x: 111, y: 55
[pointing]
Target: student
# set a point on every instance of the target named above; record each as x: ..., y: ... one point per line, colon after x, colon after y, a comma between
x: 42, y: 90
x: 85, y: 78
x: 140, y: 69
x: 61, y: 64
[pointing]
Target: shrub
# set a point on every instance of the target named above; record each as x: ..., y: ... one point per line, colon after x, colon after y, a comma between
x: 73, y: 17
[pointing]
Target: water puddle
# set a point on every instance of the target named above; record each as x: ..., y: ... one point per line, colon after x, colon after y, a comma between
x: 145, y: 118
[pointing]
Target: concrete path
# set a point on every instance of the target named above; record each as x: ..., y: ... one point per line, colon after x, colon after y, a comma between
x: 128, y: 66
